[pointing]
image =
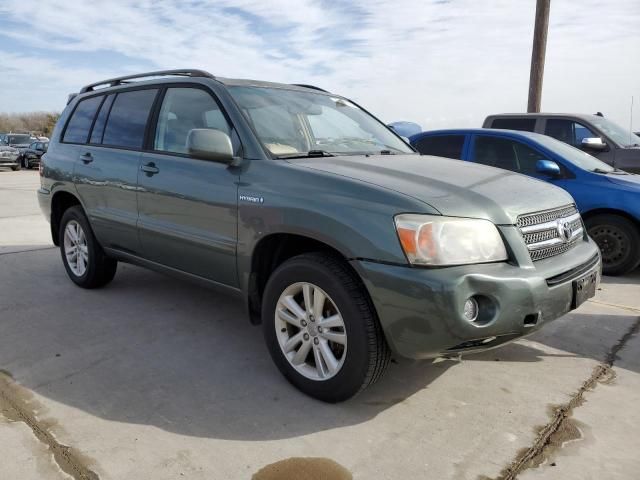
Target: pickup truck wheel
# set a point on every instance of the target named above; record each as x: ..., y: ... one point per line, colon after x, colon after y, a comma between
x: 83, y: 257
x: 321, y: 329
x: 619, y: 242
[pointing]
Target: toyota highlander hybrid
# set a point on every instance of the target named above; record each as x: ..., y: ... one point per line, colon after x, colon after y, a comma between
x: 341, y: 240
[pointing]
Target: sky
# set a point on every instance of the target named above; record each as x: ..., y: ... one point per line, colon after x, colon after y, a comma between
x: 440, y: 63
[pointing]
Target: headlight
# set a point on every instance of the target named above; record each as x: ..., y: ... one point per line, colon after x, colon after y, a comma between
x: 436, y: 240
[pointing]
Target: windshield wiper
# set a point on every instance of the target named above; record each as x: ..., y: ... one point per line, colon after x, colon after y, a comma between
x: 309, y: 154
x: 600, y: 170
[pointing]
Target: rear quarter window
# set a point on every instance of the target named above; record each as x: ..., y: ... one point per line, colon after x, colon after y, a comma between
x: 128, y: 118
x: 522, y: 124
x: 81, y: 119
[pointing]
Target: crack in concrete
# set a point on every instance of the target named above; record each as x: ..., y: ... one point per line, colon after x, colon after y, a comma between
x: 562, y: 427
x: 622, y: 307
x: 17, y: 405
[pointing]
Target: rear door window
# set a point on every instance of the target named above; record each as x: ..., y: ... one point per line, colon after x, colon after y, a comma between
x: 522, y: 124
x: 449, y: 146
x: 80, y: 122
x: 128, y: 118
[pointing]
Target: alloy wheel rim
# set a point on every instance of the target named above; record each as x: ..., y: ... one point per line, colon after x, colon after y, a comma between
x: 612, y: 243
x: 311, y: 331
x: 76, y: 249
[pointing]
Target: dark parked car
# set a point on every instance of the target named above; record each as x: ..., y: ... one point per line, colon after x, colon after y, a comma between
x: 17, y: 140
x: 299, y: 202
x: 9, y: 157
x: 33, y: 153
x: 593, y: 134
x: 608, y: 199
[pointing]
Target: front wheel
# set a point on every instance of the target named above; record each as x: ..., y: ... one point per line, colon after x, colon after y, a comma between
x: 321, y: 329
x: 16, y: 167
x: 83, y: 257
x: 619, y: 242
x: 25, y: 162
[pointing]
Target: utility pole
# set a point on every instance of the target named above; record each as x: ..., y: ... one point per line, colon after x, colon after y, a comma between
x: 537, y: 55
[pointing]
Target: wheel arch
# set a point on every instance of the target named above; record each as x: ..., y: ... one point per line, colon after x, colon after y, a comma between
x: 611, y: 211
x: 274, y: 249
x: 60, y: 202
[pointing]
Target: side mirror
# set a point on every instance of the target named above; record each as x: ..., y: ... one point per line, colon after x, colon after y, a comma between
x: 594, y: 143
x: 548, y: 167
x: 210, y: 144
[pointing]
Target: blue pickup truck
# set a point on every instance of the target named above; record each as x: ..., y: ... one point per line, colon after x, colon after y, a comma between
x: 608, y: 198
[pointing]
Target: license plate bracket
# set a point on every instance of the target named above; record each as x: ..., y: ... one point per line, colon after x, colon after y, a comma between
x: 584, y: 288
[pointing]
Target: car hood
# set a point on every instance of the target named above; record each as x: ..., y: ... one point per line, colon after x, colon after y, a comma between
x: 452, y: 187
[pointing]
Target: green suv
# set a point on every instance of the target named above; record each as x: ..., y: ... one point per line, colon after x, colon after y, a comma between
x: 342, y: 242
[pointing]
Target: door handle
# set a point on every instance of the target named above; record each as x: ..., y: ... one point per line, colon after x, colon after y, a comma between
x: 86, y: 158
x: 150, y: 168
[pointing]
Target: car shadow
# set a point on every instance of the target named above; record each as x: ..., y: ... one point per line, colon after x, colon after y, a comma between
x: 149, y: 349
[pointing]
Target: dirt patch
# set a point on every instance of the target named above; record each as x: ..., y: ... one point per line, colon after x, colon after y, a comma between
x: 18, y: 405
x: 562, y: 428
x: 303, y: 468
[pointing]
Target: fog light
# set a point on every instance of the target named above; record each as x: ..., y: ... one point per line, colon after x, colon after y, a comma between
x: 471, y: 309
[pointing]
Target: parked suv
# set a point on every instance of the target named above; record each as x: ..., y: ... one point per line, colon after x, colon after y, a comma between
x: 342, y: 241
x: 593, y: 134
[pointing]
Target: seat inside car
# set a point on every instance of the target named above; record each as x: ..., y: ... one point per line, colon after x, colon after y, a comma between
x: 182, y: 119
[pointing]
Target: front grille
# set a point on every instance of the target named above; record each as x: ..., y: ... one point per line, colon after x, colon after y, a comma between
x: 546, y: 216
x: 553, y: 251
x: 551, y: 232
x: 544, y: 235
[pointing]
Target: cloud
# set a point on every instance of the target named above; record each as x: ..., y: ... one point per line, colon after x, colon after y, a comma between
x: 437, y: 63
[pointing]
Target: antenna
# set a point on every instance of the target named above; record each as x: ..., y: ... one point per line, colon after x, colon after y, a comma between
x: 631, y: 122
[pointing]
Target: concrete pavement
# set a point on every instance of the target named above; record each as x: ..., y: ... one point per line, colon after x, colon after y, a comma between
x: 152, y: 377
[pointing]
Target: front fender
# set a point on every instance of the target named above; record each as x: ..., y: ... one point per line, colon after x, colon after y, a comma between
x: 354, y: 218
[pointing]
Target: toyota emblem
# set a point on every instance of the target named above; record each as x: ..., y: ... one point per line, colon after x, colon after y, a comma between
x: 565, y: 230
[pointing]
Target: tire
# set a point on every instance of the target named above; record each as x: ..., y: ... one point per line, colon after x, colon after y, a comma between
x: 16, y: 167
x: 25, y: 163
x: 359, y: 361
x: 619, y: 241
x: 98, y: 268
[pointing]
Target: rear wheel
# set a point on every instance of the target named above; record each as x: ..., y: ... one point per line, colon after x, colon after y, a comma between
x: 619, y: 242
x: 83, y: 257
x: 321, y: 329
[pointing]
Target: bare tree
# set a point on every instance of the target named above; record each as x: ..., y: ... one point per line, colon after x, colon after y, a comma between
x: 38, y: 123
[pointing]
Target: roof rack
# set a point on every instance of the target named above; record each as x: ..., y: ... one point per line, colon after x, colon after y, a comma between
x: 112, y: 82
x: 313, y: 87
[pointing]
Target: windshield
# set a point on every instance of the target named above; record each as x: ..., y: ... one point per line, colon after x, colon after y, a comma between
x: 573, y: 155
x: 18, y: 139
x: 615, y: 132
x: 293, y: 123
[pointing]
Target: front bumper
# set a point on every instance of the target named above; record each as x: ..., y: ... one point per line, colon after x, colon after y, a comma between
x: 8, y: 161
x: 421, y: 310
